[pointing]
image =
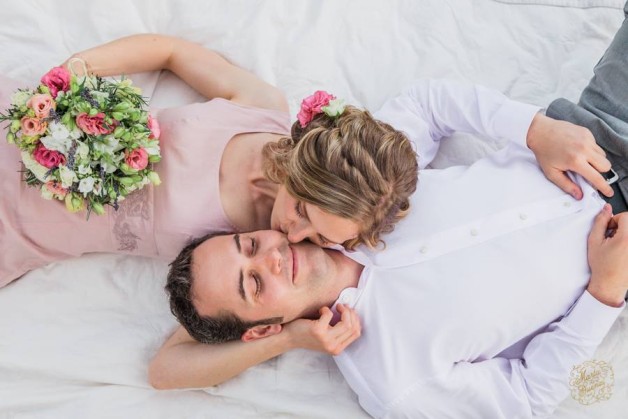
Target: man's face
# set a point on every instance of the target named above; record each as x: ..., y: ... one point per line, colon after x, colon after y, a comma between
x: 261, y: 275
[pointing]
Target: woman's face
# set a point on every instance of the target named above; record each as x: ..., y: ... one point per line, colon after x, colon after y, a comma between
x: 301, y: 220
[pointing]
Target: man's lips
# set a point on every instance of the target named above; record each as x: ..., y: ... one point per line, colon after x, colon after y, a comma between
x: 295, y: 263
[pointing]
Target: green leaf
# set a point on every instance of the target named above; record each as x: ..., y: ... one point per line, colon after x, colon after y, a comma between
x: 118, y: 115
x: 127, y: 181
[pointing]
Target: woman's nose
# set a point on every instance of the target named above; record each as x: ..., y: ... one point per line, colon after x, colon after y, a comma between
x: 299, y: 232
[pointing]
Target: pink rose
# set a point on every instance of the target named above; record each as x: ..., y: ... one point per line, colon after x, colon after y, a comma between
x: 94, y: 125
x: 55, y: 187
x: 136, y: 159
x: 48, y: 158
x: 41, y: 104
x: 57, y: 79
x: 32, y: 126
x: 312, y: 106
x: 153, y: 126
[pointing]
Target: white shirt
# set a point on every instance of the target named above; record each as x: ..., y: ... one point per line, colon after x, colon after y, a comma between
x: 430, y: 110
x: 461, y: 313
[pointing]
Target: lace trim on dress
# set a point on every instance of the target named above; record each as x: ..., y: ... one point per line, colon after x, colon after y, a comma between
x: 133, y: 212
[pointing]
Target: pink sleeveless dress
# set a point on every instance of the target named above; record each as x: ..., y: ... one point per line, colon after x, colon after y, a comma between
x: 156, y: 221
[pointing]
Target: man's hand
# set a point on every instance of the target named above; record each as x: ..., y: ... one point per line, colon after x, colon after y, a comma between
x: 560, y: 146
x: 608, y: 257
x: 319, y: 335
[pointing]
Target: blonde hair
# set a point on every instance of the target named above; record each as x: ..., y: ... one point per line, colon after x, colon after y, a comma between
x: 352, y: 166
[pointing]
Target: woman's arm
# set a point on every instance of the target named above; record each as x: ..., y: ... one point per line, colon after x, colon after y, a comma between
x: 184, y: 363
x: 203, y: 69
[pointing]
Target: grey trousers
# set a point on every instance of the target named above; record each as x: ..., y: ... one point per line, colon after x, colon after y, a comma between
x: 603, y: 105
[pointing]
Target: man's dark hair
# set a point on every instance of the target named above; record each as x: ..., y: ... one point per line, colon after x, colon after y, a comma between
x: 205, y: 329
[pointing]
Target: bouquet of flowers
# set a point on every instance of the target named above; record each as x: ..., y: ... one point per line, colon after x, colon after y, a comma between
x: 85, y: 140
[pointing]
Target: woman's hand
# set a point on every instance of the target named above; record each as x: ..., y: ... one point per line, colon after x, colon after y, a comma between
x: 561, y: 146
x: 320, y: 335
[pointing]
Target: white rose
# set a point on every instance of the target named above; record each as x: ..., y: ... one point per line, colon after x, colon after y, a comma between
x: 38, y: 170
x: 100, y: 96
x: 67, y: 176
x: 82, y: 150
x: 84, y: 169
x: 109, y: 168
x: 109, y: 146
x: 335, y: 108
x: 76, y: 133
x: 57, y: 144
x: 101, y: 148
x: 86, y: 185
x: 20, y: 97
x: 98, y: 189
x: 88, y: 81
x: 58, y: 130
x: 45, y: 193
x: 152, y: 148
x: 117, y: 158
x: 154, y: 178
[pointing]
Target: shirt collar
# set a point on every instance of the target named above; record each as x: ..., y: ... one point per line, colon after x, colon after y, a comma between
x: 350, y: 296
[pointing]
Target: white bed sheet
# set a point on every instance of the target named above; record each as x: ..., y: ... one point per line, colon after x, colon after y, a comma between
x: 76, y: 337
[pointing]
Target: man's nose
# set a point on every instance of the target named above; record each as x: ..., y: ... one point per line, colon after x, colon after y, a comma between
x: 273, y: 260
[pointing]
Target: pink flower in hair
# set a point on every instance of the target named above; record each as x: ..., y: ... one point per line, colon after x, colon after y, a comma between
x: 313, y: 105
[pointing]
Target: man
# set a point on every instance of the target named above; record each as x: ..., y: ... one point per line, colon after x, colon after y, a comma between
x: 480, y: 305
x: 474, y: 323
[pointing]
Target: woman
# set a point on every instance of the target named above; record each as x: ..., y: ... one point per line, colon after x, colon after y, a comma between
x: 213, y: 169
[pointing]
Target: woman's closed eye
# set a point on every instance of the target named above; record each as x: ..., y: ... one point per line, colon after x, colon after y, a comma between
x: 322, y: 241
x: 298, y: 208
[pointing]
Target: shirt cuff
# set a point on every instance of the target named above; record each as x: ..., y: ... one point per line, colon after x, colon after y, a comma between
x: 590, y: 318
x: 512, y: 121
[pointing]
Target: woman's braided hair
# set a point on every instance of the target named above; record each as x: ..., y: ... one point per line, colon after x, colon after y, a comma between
x: 352, y: 166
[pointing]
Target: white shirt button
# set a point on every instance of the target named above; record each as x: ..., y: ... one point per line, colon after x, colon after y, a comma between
x: 523, y: 217
x: 474, y: 232
x: 423, y: 249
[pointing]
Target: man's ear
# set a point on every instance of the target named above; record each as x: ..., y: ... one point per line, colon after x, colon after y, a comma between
x: 261, y: 331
